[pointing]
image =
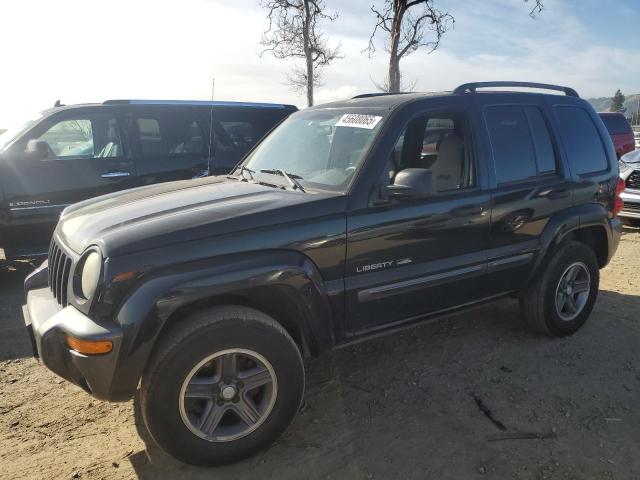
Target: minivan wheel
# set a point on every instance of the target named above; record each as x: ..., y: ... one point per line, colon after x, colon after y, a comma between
x: 221, y: 385
x: 562, y: 297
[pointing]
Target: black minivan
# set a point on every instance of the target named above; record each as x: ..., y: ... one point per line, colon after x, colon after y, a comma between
x: 71, y: 153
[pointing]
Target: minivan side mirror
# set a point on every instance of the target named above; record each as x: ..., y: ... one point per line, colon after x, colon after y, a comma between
x: 412, y: 184
x: 37, y: 149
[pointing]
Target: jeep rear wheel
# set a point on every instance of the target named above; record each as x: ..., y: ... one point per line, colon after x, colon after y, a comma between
x: 562, y: 297
x: 221, y: 385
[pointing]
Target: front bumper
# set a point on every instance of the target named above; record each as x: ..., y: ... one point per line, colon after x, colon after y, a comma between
x: 631, y: 199
x: 48, y: 324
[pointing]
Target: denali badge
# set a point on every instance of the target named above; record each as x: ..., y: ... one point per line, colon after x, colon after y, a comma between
x: 30, y: 203
x: 383, y: 265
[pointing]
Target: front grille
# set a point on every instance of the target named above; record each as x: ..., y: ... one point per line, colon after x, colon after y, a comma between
x: 59, y: 269
x: 633, y: 182
x: 631, y: 207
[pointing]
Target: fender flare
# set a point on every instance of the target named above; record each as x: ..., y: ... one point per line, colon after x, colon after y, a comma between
x: 568, y: 222
x: 144, y: 314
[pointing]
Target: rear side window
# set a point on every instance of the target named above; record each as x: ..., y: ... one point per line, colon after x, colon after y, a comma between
x: 511, y: 143
x: 236, y: 131
x: 171, y: 133
x: 616, y: 124
x: 545, y: 154
x: 582, y: 141
x: 520, y: 142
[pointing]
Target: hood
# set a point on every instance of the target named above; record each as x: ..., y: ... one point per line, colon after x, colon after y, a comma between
x: 632, y: 158
x: 167, y: 213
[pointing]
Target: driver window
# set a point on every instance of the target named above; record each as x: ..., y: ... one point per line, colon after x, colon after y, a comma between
x: 92, y: 136
x: 435, y: 142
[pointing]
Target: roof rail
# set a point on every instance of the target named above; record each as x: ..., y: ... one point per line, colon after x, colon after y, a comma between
x: 471, y: 87
x: 378, y: 94
x: 207, y: 103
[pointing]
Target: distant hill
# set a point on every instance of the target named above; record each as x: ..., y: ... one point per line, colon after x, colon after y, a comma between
x: 602, y: 104
x: 2, y: 131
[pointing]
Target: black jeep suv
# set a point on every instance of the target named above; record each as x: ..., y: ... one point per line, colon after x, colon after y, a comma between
x: 70, y: 153
x: 349, y: 219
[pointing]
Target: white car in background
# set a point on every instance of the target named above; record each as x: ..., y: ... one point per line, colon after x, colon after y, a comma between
x: 630, y: 172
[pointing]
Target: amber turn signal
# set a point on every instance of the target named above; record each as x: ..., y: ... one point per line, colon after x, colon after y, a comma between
x: 89, y: 347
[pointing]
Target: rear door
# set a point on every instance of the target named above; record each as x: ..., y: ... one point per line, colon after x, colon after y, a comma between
x: 169, y: 142
x: 88, y: 156
x: 530, y: 186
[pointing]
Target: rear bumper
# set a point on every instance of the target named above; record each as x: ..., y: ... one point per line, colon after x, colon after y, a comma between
x: 48, y: 324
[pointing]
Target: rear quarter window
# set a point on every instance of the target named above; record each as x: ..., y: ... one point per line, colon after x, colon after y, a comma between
x: 582, y: 141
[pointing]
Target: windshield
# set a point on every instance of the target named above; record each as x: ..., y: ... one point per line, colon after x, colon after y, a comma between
x: 318, y: 148
x: 14, y: 131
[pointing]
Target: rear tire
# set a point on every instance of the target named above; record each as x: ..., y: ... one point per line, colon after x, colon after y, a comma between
x: 556, y: 304
x: 221, y: 385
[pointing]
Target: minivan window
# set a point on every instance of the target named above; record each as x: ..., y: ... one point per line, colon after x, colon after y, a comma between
x: 162, y: 134
x: 616, y: 124
x: 90, y: 136
x: 511, y: 143
x: 582, y: 140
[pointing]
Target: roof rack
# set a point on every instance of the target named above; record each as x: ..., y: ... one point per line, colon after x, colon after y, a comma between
x: 379, y: 94
x: 471, y: 87
x: 207, y: 103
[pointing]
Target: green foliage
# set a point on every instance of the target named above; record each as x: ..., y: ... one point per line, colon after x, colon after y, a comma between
x: 617, y: 101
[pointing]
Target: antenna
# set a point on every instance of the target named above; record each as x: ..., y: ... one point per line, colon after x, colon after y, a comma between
x: 213, y: 86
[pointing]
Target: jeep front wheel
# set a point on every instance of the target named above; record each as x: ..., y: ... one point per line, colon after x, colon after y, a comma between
x: 221, y: 385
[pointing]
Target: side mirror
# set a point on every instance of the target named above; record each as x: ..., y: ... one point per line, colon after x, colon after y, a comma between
x: 412, y: 184
x: 37, y: 149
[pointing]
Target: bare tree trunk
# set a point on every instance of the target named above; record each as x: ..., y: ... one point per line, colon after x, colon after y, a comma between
x: 394, y: 59
x: 308, y: 52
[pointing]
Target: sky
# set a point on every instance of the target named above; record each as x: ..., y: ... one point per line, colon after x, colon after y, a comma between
x: 89, y: 51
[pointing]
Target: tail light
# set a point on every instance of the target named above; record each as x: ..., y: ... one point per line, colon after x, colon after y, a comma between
x: 618, y: 204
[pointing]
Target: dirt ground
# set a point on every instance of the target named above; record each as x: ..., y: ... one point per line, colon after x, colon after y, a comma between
x: 407, y: 406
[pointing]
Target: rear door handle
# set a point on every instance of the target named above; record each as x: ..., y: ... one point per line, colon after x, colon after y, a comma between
x: 555, y: 194
x: 115, y: 174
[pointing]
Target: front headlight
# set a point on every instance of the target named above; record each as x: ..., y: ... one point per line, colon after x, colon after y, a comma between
x: 623, y: 167
x: 90, y: 276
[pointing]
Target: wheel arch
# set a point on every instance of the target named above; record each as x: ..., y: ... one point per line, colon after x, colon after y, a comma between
x: 285, y: 285
x: 588, y: 224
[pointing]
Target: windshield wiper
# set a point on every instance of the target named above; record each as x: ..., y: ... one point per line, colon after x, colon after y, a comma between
x: 244, y: 169
x: 290, y: 177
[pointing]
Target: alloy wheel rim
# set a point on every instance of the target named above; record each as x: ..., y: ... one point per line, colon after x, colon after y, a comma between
x: 572, y: 292
x: 228, y: 395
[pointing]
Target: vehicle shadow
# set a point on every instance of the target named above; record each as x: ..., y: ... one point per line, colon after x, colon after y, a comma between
x: 409, y: 405
x: 14, y: 342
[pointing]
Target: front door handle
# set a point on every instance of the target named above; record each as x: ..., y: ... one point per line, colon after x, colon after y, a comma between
x: 115, y: 174
x: 467, y: 210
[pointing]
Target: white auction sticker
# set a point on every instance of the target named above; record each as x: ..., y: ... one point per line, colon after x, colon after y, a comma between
x: 358, y: 121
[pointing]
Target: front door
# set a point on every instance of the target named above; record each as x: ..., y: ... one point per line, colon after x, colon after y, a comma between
x: 409, y: 258
x: 86, y: 158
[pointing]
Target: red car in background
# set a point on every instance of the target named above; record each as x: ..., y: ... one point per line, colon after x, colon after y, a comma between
x: 620, y: 131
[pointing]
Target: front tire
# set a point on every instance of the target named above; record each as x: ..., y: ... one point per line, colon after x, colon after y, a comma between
x: 562, y: 297
x: 221, y: 385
